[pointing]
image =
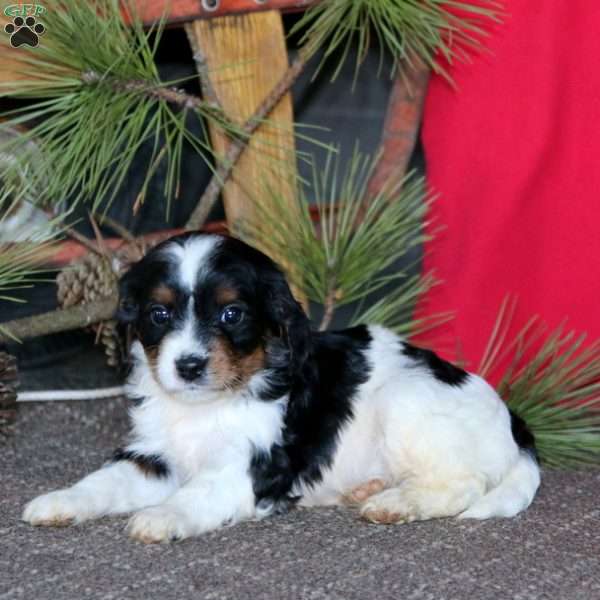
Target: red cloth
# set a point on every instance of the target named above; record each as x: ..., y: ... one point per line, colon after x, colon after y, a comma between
x: 514, y: 153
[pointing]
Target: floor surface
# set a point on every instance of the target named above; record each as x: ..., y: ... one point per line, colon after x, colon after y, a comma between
x: 551, y: 551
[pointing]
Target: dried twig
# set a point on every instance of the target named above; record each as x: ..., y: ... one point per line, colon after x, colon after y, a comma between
x: 105, y: 220
x: 237, y: 146
x: 329, y: 307
x: 99, y: 238
x: 75, y: 235
x: 172, y: 95
x: 83, y: 240
x: 208, y: 89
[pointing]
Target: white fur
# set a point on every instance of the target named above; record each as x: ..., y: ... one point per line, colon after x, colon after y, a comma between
x: 442, y: 450
x: 191, y: 260
x: 117, y: 488
x: 207, y: 444
x: 192, y: 257
x: 175, y: 345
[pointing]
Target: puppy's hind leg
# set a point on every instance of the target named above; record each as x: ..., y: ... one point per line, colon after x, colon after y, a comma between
x: 419, y: 500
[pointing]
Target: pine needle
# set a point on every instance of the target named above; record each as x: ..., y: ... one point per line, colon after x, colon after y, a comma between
x: 21, y: 262
x: 349, y: 253
x: 408, y: 30
x: 96, y: 97
x: 556, y: 391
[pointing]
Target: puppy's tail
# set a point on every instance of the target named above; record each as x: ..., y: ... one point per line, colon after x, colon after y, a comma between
x: 516, y: 491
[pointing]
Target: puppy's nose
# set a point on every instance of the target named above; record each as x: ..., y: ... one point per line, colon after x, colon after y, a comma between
x: 191, y: 367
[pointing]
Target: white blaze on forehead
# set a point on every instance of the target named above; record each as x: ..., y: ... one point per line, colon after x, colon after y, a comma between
x: 177, y: 344
x: 192, y: 257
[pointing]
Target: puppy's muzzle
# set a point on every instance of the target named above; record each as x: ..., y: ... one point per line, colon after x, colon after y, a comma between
x: 191, y: 367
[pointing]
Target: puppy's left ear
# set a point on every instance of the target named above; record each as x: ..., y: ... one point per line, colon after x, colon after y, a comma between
x: 128, y: 308
x: 286, y: 313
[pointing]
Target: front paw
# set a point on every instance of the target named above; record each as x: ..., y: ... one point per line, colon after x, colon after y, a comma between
x: 57, y: 509
x: 158, y: 524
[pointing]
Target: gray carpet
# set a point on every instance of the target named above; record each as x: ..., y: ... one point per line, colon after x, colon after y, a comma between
x: 552, y: 551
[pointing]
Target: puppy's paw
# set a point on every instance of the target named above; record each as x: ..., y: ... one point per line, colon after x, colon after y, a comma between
x: 57, y: 509
x: 158, y: 524
x: 389, y: 506
x: 360, y: 493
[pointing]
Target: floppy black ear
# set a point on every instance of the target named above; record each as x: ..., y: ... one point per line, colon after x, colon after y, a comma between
x: 128, y: 308
x: 289, y: 319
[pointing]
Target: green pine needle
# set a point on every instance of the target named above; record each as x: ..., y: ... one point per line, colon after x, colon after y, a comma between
x: 409, y: 30
x: 21, y: 262
x: 348, y: 253
x: 557, y: 392
x: 395, y: 309
x: 95, y: 92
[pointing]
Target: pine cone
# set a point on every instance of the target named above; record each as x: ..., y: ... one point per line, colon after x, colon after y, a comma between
x: 95, y: 277
x: 9, y: 381
x: 113, y: 348
x: 85, y: 281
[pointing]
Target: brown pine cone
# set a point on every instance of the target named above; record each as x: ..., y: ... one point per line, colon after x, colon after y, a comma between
x: 9, y: 381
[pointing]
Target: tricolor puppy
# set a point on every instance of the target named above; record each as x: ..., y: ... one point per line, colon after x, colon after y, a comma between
x: 245, y: 411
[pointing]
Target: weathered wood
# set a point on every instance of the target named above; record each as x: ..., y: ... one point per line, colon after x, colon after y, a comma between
x: 188, y: 10
x: 11, y: 67
x: 212, y: 192
x: 246, y: 57
x: 401, y: 127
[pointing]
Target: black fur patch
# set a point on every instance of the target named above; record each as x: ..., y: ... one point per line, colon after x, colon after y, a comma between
x: 439, y: 368
x: 522, y: 434
x: 151, y: 465
x: 231, y: 266
x: 321, y: 396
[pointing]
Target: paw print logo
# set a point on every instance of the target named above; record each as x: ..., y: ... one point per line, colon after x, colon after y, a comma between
x: 24, y: 32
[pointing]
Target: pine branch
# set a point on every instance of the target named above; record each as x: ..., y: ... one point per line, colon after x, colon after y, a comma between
x: 169, y: 94
x: 22, y: 262
x: 221, y: 175
x: 107, y: 83
x: 403, y: 29
x: 552, y: 381
x: 349, y: 253
x: 329, y: 306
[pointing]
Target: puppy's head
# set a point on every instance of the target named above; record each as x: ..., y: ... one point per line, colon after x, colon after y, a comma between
x: 213, y: 314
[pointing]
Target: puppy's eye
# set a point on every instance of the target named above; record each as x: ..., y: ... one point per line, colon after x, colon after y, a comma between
x: 232, y: 315
x: 160, y: 315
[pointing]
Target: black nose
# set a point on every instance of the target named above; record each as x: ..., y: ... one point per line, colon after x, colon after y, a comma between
x: 191, y: 367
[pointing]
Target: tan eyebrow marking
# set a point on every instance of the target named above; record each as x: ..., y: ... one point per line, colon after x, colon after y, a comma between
x: 226, y: 295
x: 163, y: 295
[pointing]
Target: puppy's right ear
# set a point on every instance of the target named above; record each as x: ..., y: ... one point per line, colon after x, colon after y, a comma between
x: 129, y: 308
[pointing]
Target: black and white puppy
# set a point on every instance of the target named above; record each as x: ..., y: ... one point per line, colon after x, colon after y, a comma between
x: 246, y: 411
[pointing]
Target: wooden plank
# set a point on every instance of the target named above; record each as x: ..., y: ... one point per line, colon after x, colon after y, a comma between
x: 401, y: 127
x: 188, y: 10
x: 246, y: 56
x: 11, y: 68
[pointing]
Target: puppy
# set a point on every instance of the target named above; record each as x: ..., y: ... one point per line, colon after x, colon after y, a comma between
x: 245, y: 411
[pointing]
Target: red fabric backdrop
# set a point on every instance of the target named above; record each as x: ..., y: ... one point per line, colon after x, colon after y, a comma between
x: 514, y: 153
